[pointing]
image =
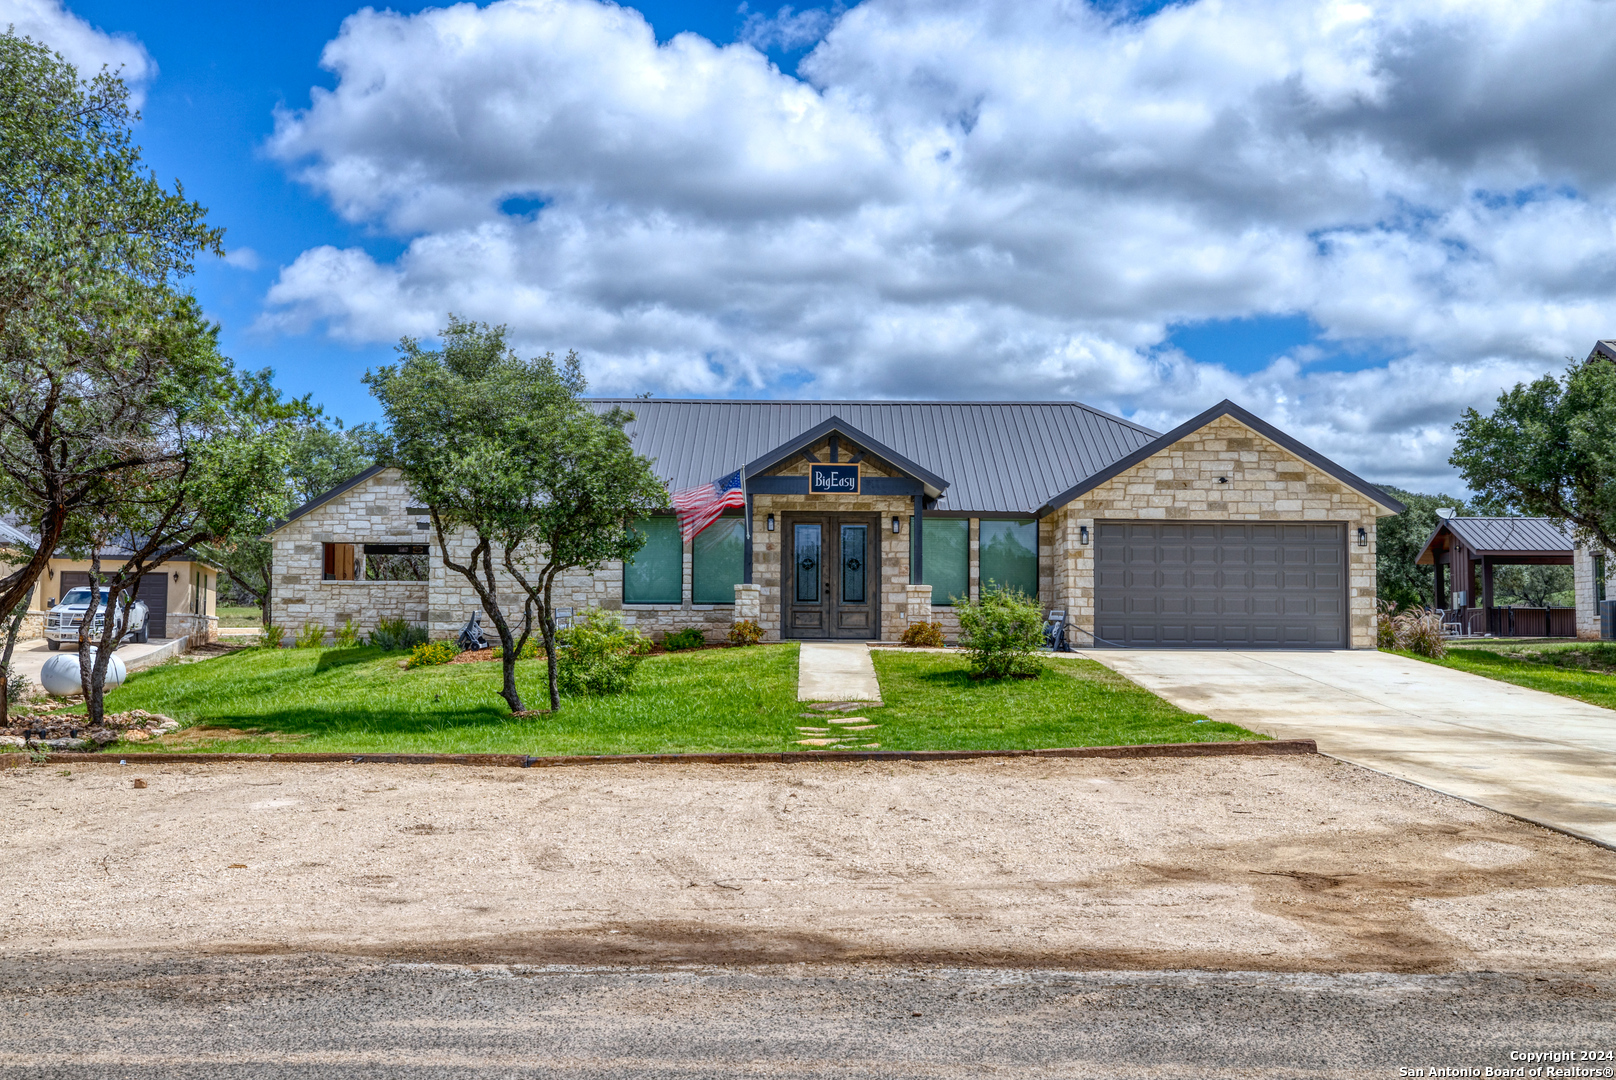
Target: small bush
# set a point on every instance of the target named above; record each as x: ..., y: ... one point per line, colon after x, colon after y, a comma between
x: 346, y: 636
x: 1418, y: 631
x: 599, y: 654
x: 432, y: 652
x: 396, y: 635
x: 1001, y: 632
x: 1385, y: 627
x: 312, y: 636
x: 926, y: 635
x: 745, y: 632
x: 272, y: 637
x: 17, y: 685
x: 529, y: 649
x: 688, y: 638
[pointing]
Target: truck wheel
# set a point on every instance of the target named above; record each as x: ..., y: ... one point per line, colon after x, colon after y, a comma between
x: 53, y: 646
x: 140, y: 638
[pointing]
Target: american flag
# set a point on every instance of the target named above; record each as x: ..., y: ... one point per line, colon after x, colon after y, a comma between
x: 699, y: 507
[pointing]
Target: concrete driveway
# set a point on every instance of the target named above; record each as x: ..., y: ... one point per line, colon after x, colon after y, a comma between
x: 1544, y: 758
x: 30, y: 656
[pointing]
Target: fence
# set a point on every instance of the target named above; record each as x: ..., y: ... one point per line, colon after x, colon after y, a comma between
x: 1513, y: 621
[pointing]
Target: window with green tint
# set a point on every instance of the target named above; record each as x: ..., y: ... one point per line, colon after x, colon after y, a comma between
x: 656, y: 574
x: 717, y: 556
x: 947, y: 558
x: 1007, y: 556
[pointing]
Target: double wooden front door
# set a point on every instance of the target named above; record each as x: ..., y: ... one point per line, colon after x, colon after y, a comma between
x: 831, y: 578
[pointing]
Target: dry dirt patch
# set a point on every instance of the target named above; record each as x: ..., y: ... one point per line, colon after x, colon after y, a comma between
x: 1301, y: 864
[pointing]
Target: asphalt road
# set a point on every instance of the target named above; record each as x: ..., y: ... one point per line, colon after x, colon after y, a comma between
x: 294, y: 1016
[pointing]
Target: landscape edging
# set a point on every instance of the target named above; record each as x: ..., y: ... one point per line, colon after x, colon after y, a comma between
x: 1264, y: 748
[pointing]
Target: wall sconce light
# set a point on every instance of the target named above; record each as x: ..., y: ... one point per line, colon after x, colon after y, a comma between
x: 1082, y: 534
x: 897, y: 525
x: 176, y: 576
x: 768, y: 523
x: 50, y: 573
x: 1363, y: 536
x: 1223, y: 479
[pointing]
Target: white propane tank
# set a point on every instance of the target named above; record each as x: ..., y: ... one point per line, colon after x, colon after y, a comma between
x: 60, y: 675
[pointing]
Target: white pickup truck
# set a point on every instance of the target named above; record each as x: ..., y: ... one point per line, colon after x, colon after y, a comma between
x: 63, y: 621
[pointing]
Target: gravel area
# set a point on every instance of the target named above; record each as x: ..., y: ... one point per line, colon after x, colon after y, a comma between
x: 1294, y: 864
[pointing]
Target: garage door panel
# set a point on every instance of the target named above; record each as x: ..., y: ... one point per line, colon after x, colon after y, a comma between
x: 1231, y: 584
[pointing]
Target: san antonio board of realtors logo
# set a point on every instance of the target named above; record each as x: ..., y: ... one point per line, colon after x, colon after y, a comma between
x: 833, y: 479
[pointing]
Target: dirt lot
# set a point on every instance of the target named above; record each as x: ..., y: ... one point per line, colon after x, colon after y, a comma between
x: 1280, y: 864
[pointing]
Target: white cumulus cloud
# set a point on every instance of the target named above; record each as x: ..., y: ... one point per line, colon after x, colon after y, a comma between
x: 86, y: 47
x: 962, y: 198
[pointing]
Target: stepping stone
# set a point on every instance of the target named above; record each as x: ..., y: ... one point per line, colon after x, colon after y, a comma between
x: 862, y: 727
x: 817, y: 742
x: 813, y: 731
x: 851, y: 720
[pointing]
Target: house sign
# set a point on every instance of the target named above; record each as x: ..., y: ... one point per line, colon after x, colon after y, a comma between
x: 833, y: 479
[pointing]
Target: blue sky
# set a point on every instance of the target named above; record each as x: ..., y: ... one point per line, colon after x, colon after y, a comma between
x: 1355, y: 220
x: 223, y: 70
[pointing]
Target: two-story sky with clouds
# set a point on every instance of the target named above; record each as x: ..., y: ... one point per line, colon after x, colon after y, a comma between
x: 1354, y: 219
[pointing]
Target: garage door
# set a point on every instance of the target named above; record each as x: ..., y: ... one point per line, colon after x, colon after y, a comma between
x: 1237, y: 584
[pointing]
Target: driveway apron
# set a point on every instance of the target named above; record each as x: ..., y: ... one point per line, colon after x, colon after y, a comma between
x: 1548, y: 759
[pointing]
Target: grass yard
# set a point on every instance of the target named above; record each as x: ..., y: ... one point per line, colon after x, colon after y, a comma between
x: 1585, y: 670
x: 237, y: 616
x: 360, y: 700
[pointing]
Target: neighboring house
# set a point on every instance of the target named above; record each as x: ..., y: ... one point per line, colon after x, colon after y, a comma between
x: 1222, y: 532
x: 181, y: 596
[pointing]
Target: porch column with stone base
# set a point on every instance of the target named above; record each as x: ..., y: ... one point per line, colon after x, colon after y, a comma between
x: 919, y: 599
x: 748, y: 602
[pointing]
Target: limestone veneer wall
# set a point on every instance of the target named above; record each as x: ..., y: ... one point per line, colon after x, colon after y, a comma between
x: 1582, y: 573
x: 1266, y: 483
x: 371, y: 512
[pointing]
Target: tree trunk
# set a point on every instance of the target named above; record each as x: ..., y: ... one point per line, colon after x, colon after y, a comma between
x: 490, y: 602
x: 19, y: 614
x: 547, y: 628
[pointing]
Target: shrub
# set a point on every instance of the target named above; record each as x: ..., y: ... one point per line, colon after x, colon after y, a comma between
x: 346, y: 636
x: 745, y: 632
x: 529, y: 649
x: 1001, y: 632
x: 396, y: 635
x: 688, y: 638
x: 599, y: 654
x: 17, y: 685
x: 928, y: 635
x: 272, y: 637
x: 1418, y: 631
x: 312, y: 636
x: 1385, y: 627
x: 432, y: 652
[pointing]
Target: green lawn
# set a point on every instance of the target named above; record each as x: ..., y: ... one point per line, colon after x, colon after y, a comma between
x: 1582, y: 670
x: 360, y: 700
x: 231, y: 615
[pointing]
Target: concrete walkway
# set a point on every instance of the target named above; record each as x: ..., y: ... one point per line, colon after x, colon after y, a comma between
x: 836, y: 671
x: 30, y: 656
x: 1538, y: 756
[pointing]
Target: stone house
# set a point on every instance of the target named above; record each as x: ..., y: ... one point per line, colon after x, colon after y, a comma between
x: 862, y: 518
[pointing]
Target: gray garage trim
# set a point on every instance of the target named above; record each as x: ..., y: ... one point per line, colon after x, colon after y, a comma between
x: 1229, y: 584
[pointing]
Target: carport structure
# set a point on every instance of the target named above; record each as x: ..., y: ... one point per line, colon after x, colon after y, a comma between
x: 1460, y: 546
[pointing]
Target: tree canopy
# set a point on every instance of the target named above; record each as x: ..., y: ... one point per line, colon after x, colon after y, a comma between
x: 1548, y: 449
x: 96, y: 341
x: 501, y: 449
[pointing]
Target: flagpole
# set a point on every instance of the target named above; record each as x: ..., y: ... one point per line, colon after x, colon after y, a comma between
x: 746, y: 503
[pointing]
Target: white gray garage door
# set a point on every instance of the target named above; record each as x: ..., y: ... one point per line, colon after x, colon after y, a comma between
x: 1238, y: 584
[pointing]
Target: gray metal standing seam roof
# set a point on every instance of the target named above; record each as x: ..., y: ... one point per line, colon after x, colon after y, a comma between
x: 1502, y: 535
x: 999, y: 457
